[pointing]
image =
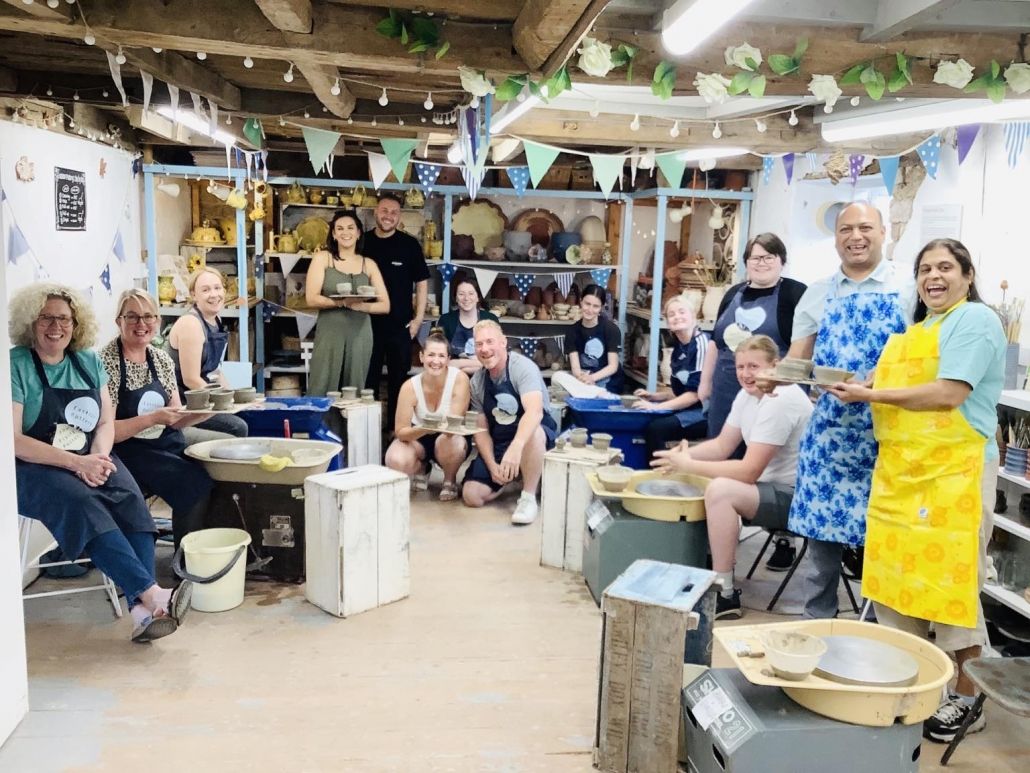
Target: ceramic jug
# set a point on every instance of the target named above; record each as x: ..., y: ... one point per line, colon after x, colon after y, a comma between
x: 284, y: 242
x: 295, y: 194
x: 166, y: 289
x: 358, y: 196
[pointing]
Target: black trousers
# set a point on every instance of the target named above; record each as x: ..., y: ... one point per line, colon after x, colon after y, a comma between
x: 391, y: 346
x: 667, y: 429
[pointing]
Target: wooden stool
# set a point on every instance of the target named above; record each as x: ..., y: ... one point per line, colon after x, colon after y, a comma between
x: 364, y: 435
x: 564, y: 501
x: 357, y: 528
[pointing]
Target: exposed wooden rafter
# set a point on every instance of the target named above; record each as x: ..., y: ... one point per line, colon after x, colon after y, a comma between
x: 487, y: 10
x: 321, y: 78
x: 894, y: 17
x: 41, y: 10
x: 547, y: 31
x: 8, y: 79
x: 189, y: 76
x: 287, y: 15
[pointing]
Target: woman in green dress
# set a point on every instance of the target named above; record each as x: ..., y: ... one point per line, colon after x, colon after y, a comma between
x: 343, y: 336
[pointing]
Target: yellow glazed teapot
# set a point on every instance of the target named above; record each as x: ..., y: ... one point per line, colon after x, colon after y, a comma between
x: 295, y: 194
x: 315, y: 196
x: 284, y: 242
x: 206, y: 234
x: 166, y: 289
x: 413, y: 199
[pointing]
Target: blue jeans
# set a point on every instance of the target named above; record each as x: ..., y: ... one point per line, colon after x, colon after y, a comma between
x: 823, y: 579
x: 127, y: 558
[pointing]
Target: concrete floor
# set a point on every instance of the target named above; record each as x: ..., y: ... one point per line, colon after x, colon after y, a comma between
x: 490, y: 665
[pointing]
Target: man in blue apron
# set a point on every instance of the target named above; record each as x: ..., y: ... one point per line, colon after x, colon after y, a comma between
x: 843, y: 321
x: 514, y: 412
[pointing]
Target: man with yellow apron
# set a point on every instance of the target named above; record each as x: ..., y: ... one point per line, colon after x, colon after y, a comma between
x: 929, y: 520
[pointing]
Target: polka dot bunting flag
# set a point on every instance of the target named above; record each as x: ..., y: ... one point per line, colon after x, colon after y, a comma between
x: 767, y: 167
x: 930, y: 152
x: 105, y: 278
x: 427, y: 174
x: 528, y: 346
x: 524, y: 282
x: 855, y: 162
x: 600, y: 276
x: 519, y: 176
x: 447, y: 271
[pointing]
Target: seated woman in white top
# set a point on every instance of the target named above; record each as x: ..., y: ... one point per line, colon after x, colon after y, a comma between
x: 439, y: 388
x: 759, y: 487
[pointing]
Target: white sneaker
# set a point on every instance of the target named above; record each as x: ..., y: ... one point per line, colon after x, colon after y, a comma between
x: 525, y: 510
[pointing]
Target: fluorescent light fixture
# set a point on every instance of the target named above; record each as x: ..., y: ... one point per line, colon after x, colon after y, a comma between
x: 906, y: 118
x: 192, y: 121
x: 511, y: 112
x: 701, y: 154
x: 688, y: 23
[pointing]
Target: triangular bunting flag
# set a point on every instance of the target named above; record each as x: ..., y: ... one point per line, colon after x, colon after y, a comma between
x: 564, y: 281
x: 539, y: 157
x: 561, y: 344
x: 105, y: 278
x: 788, y: 166
x: 855, y: 162
x: 889, y: 170
x: 399, y: 152
x: 813, y: 161
x: 320, y: 144
x: 473, y: 179
x: 288, y: 261
x: 119, y: 247
x: 173, y: 98
x: 672, y: 166
x: 524, y: 282
x: 767, y: 167
x: 600, y: 276
x: 379, y: 166
x: 148, y: 88
x: 305, y: 323
x: 634, y: 162
x: 528, y: 346
x: 426, y: 174
x: 255, y: 132
x: 212, y: 112
x: 485, y: 277
x: 447, y: 271
x: 116, y: 76
x: 198, y: 106
x: 519, y: 176
x: 606, y: 169
x: 16, y: 244
x: 1015, y: 139
x: 930, y: 152
x: 966, y: 135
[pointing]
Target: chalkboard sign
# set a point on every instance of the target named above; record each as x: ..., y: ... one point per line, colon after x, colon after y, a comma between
x: 70, y: 199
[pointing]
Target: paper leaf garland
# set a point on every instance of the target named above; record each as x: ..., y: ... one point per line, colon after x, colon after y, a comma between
x: 930, y: 153
x: 519, y: 176
x: 767, y: 167
x: 889, y: 170
x: 426, y: 174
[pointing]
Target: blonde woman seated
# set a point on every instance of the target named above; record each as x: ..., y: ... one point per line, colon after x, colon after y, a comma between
x: 759, y: 487
x: 438, y: 389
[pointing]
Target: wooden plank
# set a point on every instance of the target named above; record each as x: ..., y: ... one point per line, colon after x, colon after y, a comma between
x: 394, y: 513
x: 612, y: 743
x: 554, y: 487
x: 8, y: 79
x: 894, y: 17
x: 487, y: 10
x: 322, y: 546
x: 40, y: 10
x: 552, y: 28
x: 578, y: 496
x: 287, y: 15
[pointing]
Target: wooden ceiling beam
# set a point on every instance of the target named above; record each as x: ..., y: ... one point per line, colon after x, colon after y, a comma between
x: 546, y: 32
x: 40, y: 10
x: 187, y: 75
x: 321, y: 78
x: 341, y: 36
x: 287, y: 15
x: 8, y: 79
x: 894, y: 17
x: 486, y: 10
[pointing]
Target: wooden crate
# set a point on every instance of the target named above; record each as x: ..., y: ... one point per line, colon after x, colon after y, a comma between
x: 356, y: 548
x: 364, y: 434
x: 564, y: 501
x: 646, y: 612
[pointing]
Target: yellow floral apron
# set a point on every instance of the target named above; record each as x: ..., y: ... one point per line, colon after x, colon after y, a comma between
x: 924, y: 508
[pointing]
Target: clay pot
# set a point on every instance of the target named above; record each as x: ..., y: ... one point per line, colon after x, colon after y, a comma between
x: 535, y: 296
x: 463, y: 246
x: 548, y: 297
x: 499, y: 289
x: 543, y: 312
x: 514, y: 294
x: 573, y: 297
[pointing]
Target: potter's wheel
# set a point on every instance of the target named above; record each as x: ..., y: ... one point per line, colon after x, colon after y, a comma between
x: 241, y: 451
x: 857, y: 660
x: 667, y: 488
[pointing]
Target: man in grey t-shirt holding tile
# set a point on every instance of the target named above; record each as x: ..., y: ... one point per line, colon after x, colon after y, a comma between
x: 514, y: 408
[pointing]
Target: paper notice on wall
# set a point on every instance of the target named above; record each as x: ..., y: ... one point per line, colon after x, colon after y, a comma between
x: 940, y: 221
x: 70, y: 199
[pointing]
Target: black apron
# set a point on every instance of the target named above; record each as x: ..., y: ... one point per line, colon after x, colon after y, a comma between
x: 593, y: 355
x: 73, y: 511
x: 503, y: 399
x: 463, y: 344
x: 158, y: 463
x: 684, y: 364
x: 216, y: 339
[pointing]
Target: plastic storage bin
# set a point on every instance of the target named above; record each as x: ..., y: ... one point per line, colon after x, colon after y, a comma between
x: 625, y: 425
x: 305, y: 415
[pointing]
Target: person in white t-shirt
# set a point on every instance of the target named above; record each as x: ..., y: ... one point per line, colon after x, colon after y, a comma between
x: 759, y: 487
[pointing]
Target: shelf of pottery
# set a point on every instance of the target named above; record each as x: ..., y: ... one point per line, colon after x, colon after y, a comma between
x: 1010, y: 549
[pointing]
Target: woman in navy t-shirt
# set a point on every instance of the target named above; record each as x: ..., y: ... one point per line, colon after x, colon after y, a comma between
x: 593, y: 344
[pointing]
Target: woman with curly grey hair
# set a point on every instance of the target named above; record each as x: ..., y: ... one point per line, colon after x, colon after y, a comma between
x: 67, y: 476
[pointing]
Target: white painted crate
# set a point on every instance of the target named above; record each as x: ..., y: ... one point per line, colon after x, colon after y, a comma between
x: 356, y: 543
x: 564, y: 501
x: 364, y: 440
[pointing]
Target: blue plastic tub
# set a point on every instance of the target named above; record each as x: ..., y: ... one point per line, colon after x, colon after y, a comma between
x: 625, y: 425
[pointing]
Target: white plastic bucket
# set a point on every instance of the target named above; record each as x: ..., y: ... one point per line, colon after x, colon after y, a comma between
x: 207, y: 553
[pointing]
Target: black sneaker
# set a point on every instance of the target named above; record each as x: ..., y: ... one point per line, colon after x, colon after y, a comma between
x: 942, y: 726
x: 728, y: 606
x: 783, y: 556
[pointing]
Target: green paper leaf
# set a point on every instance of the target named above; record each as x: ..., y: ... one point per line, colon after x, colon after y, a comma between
x: 852, y: 76
x: 619, y: 59
x: 897, y: 81
x: 800, y: 49
x: 751, y: 63
x: 425, y: 30
x: 661, y: 70
x: 511, y: 88
x: 389, y: 27
x: 996, y: 91
x: 534, y: 89
x: 558, y: 83
x: 404, y: 35
x: 757, y: 87
x: 977, y: 84
x: 442, y: 51
x: 781, y: 64
x: 629, y: 70
x: 740, y: 83
x: 628, y: 50
x: 874, y: 83
x: 903, y: 67
x: 418, y: 48
x: 995, y: 68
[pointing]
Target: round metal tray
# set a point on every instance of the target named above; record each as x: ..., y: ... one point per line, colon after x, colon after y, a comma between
x: 857, y: 660
x: 667, y: 488
x: 245, y: 451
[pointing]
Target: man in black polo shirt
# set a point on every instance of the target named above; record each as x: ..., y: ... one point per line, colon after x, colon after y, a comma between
x: 403, y: 266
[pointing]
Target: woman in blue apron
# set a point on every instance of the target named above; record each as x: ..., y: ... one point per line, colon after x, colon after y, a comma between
x: 457, y: 326
x: 593, y: 343
x: 67, y: 477
x: 690, y: 350
x: 148, y: 426
x: 197, y: 344
x: 763, y: 305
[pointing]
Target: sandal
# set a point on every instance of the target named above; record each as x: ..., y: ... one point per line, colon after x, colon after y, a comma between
x: 179, y: 604
x: 154, y: 628
x: 419, y: 482
x: 449, y: 492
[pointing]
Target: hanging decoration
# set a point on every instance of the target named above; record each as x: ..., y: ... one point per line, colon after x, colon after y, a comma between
x: 305, y: 323
x: 930, y: 153
x: 398, y: 151
x: 212, y: 112
x: 855, y: 163
x: 485, y: 278
x: 16, y: 244
x: 254, y: 132
x: 965, y: 137
x: 173, y: 98
x: 116, y: 76
x: 672, y: 166
x: 600, y: 276
x: 519, y: 177
x: 539, y: 157
x: 148, y: 88
x: 105, y: 278
x: 198, y: 106
x: 788, y: 166
x: 564, y: 281
x: 767, y: 167
x: 426, y: 174
x: 606, y: 170
x: 1015, y: 139
x: 119, y: 247
x: 528, y: 345
x: 474, y: 142
x: 447, y: 271
x: 813, y: 161
x: 889, y: 170
x: 320, y: 144
x: 523, y: 282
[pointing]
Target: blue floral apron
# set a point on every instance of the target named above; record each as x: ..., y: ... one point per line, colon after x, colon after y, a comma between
x: 838, y: 452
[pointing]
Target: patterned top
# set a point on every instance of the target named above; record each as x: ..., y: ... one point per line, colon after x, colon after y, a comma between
x: 137, y: 375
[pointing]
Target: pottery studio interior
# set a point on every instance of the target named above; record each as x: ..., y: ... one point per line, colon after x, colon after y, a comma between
x: 622, y: 385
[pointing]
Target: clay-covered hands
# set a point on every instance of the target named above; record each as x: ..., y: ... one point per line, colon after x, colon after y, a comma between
x: 676, y: 459
x: 586, y: 378
x: 851, y: 392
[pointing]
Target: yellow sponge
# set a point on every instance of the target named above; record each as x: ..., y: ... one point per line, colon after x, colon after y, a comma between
x: 271, y: 463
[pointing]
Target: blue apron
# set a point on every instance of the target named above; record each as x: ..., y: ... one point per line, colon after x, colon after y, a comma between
x: 684, y: 364
x: 463, y: 345
x: 216, y: 338
x: 838, y: 451
x: 158, y: 463
x: 593, y: 356
x: 738, y: 322
x: 73, y: 511
x: 504, y: 411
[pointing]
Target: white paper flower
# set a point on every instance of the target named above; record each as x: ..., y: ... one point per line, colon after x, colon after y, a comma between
x: 955, y: 74
x: 475, y: 82
x: 825, y: 89
x: 595, y: 57
x: 738, y: 56
x: 1017, y: 75
x: 712, y: 87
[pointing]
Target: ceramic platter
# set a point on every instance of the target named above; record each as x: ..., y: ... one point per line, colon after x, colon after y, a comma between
x: 312, y: 233
x: 858, y: 660
x: 540, y: 222
x: 483, y: 220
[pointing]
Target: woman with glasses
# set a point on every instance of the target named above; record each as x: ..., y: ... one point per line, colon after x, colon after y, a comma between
x: 67, y: 474
x: 457, y: 326
x: 148, y: 426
